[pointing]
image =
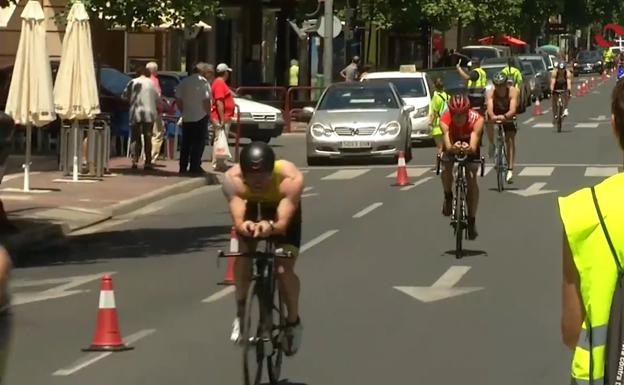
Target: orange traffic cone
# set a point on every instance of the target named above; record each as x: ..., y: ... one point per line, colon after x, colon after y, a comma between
x: 107, y: 336
x: 229, y: 271
x: 537, y: 108
x: 579, y: 92
x: 401, y: 178
x: 584, y: 88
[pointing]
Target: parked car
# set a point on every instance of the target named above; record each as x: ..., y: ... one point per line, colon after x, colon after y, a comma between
x: 112, y: 83
x: 543, y: 75
x: 484, y: 52
x: 416, y: 92
x: 259, y: 122
x: 453, y: 82
x: 588, y: 62
x: 530, y: 76
x: 359, y: 120
x: 525, y: 91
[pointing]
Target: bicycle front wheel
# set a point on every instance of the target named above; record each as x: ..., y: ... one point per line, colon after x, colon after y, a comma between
x: 500, y: 168
x: 253, y: 339
x: 278, y: 320
x: 459, y: 223
x: 559, y: 112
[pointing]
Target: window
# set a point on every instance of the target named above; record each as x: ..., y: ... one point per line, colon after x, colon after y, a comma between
x: 407, y: 87
x: 357, y: 98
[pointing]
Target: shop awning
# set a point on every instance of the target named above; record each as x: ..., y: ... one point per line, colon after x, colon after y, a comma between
x: 512, y: 40
x: 486, y: 40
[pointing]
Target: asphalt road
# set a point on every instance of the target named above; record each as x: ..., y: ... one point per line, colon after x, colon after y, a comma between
x: 490, y: 318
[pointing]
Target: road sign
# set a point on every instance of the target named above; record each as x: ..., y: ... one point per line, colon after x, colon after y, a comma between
x: 336, y: 30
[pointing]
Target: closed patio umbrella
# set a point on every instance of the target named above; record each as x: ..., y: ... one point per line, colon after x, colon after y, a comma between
x: 75, y: 90
x: 30, y: 100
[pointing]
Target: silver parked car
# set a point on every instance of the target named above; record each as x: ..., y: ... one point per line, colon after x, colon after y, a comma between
x: 359, y: 120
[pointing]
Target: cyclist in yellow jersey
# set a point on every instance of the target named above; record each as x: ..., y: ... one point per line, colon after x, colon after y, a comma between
x: 264, y: 197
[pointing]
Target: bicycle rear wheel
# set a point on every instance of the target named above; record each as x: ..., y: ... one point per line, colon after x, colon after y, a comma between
x: 253, y: 344
x: 559, y: 112
x: 278, y: 320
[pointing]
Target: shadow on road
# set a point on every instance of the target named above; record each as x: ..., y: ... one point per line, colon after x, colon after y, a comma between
x: 139, y: 243
x: 468, y: 253
x: 287, y: 382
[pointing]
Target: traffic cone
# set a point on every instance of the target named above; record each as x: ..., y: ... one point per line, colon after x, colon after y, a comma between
x: 107, y: 336
x: 604, y: 75
x: 229, y: 271
x: 593, y: 82
x: 584, y: 88
x: 537, y: 108
x: 579, y: 92
x: 402, y: 178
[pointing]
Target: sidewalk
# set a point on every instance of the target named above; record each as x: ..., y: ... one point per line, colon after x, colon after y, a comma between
x: 54, y: 209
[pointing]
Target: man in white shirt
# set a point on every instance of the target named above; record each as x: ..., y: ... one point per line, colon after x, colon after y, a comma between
x: 143, y: 98
x: 158, y: 132
x: 194, y: 100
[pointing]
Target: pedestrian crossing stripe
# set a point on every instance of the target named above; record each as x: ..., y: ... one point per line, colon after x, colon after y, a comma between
x: 346, y: 174
x: 537, y: 171
x: 543, y: 125
x: 587, y: 125
x: 412, y: 172
x: 601, y: 171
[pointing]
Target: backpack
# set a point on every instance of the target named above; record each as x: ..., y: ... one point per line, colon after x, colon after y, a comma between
x: 614, y: 359
x: 444, y: 105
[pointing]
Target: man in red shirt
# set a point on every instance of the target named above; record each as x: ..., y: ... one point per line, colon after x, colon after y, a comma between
x: 462, y: 127
x: 222, y: 109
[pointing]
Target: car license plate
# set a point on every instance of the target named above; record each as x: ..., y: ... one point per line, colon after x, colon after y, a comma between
x: 356, y: 144
x: 265, y: 126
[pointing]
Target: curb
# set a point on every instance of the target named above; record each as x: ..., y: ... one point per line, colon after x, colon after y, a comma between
x: 40, y: 237
x: 130, y: 205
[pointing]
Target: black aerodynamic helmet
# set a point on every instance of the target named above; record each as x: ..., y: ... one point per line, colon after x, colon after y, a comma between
x: 257, y: 157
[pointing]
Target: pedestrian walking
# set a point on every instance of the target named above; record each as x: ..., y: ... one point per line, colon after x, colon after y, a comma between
x: 143, y: 99
x: 436, y: 108
x: 5, y: 311
x: 193, y: 97
x: 158, y: 128
x: 593, y: 278
x: 221, y: 115
x: 351, y: 72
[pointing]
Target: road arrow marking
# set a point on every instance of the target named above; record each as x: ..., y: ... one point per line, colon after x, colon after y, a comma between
x: 534, y: 190
x: 600, y: 118
x: 443, y: 288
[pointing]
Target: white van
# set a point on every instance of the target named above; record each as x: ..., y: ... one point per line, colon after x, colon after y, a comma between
x: 484, y: 51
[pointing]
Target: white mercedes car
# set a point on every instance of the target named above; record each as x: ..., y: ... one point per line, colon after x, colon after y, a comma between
x: 414, y: 89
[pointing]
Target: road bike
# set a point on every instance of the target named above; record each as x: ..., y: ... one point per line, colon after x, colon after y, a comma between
x: 500, y: 157
x: 264, y: 321
x: 459, y: 216
x: 558, y: 110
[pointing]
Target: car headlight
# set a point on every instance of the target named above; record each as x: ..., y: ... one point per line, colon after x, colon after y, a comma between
x: 279, y: 116
x: 599, y: 62
x: 246, y: 116
x: 318, y: 130
x: 391, y: 128
x: 576, y: 64
x: 420, y: 112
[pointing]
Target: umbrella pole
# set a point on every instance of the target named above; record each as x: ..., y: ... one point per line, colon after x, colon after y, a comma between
x: 75, y: 135
x: 26, y: 165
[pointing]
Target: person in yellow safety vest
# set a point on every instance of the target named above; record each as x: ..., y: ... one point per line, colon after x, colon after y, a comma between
x: 293, y: 73
x: 476, y: 83
x: 590, y: 271
x: 607, y: 57
x: 513, y: 74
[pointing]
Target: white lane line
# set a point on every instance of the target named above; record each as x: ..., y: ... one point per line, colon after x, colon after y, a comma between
x: 307, y: 246
x: 487, y: 170
x: 92, y: 358
x: 537, y: 171
x: 412, y: 172
x: 529, y: 120
x: 368, y: 209
x: 416, y: 184
x: 55, y: 292
x: 543, y: 125
x: 309, y: 195
x: 345, y: 174
x: 546, y: 111
x: 308, y: 188
x: 220, y: 294
x: 586, y: 125
x: 601, y: 171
